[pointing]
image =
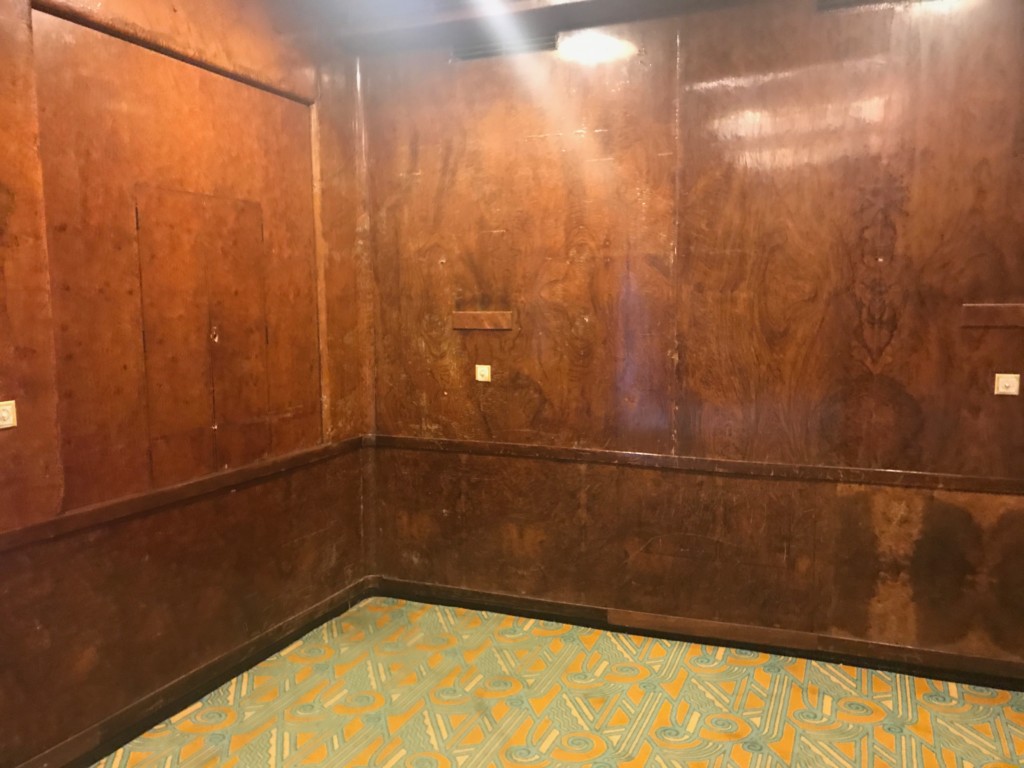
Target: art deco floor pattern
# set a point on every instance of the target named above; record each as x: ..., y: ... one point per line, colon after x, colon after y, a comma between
x: 394, y: 684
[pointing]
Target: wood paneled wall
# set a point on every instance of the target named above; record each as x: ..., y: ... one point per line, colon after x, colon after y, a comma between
x: 349, y: 302
x: 180, y: 217
x: 30, y: 467
x: 113, y: 617
x: 250, y: 40
x: 750, y: 242
x: 910, y: 570
x: 176, y: 149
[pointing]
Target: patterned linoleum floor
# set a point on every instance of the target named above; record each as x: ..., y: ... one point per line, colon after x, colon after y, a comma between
x: 394, y: 684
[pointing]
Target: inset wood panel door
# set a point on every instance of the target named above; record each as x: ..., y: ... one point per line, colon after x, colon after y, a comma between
x: 203, y: 272
x: 179, y: 213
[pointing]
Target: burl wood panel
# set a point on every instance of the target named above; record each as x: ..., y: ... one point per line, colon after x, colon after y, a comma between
x: 993, y: 315
x: 842, y: 198
x: 348, y: 292
x: 750, y: 242
x: 933, y: 569
x: 637, y: 539
x: 914, y: 568
x: 529, y: 184
x: 482, y: 321
x: 97, y: 620
x: 250, y: 39
x: 115, y: 120
x: 30, y: 470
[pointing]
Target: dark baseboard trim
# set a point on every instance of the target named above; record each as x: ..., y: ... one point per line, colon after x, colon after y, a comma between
x: 92, y: 745
x: 938, y: 665
x: 106, y: 737
x: 1013, y: 486
x: 151, y: 42
x: 132, y: 506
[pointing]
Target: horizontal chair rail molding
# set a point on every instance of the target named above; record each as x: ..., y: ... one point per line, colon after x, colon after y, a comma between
x: 132, y: 506
x: 724, y: 467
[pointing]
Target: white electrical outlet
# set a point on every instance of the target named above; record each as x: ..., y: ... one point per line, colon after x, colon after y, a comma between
x: 483, y: 373
x: 1008, y: 384
x: 8, y: 415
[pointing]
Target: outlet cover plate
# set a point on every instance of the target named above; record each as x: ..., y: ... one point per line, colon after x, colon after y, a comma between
x: 8, y: 415
x: 1008, y: 384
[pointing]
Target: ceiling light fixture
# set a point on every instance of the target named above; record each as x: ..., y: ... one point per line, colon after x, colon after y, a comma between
x: 591, y: 47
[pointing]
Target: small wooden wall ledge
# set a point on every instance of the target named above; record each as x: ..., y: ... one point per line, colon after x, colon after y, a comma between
x: 993, y: 316
x: 482, y: 321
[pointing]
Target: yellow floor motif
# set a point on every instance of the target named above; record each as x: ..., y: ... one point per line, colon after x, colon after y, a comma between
x: 394, y: 684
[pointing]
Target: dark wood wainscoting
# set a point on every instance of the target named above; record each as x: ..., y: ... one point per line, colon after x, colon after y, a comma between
x: 910, y: 575
x: 115, y: 616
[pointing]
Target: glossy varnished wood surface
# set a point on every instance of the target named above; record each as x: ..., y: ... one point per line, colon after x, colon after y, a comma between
x: 248, y: 40
x: 30, y: 468
x: 843, y: 198
x: 107, y: 512
x: 525, y: 184
x: 149, y: 161
x: 752, y: 242
x: 914, y: 568
x: 993, y: 315
x: 345, y: 253
x: 482, y: 321
x: 100, y: 620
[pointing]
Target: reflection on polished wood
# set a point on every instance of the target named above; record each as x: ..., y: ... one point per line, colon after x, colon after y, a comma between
x: 116, y: 123
x: 482, y: 321
x: 752, y: 242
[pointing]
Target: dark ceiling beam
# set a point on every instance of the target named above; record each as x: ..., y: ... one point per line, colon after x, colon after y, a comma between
x: 448, y: 24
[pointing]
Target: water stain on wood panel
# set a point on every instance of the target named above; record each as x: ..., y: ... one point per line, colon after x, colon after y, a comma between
x: 921, y: 568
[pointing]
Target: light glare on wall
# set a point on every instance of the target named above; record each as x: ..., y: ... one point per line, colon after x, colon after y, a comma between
x: 591, y: 47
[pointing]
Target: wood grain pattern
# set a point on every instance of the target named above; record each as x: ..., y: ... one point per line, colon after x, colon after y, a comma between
x: 350, y: 305
x: 730, y: 247
x: 31, y: 475
x: 519, y: 183
x: 246, y: 39
x: 96, y: 621
x: 174, y: 230
x: 993, y: 316
x: 482, y: 321
x: 116, y: 118
x: 914, y: 568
